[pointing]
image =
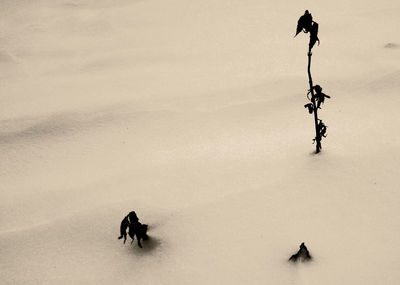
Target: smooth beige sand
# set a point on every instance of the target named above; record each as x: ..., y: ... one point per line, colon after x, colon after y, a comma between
x: 191, y: 113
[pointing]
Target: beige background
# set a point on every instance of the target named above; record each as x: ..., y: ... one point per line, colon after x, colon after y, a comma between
x: 191, y: 113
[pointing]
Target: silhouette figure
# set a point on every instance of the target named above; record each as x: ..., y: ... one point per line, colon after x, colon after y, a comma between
x: 304, y: 23
x: 135, y: 228
x: 310, y: 107
x: 307, y: 25
x: 140, y: 230
x: 319, y: 96
x: 126, y: 222
x: 132, y: 217
x: 313, y: 34
x: 303, y: 254
x: 322, y: 129
x: 124, y: 226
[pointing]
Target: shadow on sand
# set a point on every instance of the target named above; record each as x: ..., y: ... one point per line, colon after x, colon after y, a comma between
x: 313, y: 153
x: 149, y: 246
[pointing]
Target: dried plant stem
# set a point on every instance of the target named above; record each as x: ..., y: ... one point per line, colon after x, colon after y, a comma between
x: 317, y: 134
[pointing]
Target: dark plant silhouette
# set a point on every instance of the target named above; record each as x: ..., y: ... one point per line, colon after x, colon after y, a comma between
x: 135, y: 228
x: 140, y: 230
x: 307, y: 25
x: 130, y: 219
x: 302, y: 255
x: 124, y: 226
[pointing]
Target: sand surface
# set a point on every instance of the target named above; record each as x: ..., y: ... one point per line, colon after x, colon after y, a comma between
x: 191, y: 113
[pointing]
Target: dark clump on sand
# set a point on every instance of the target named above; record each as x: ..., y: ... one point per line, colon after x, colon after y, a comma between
x: 302, y: 255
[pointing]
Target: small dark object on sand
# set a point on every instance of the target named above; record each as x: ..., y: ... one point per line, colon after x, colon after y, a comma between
x: 140, y: 230
x: 303, y: 254
x: 130, y: 219
x: 135, y: 228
